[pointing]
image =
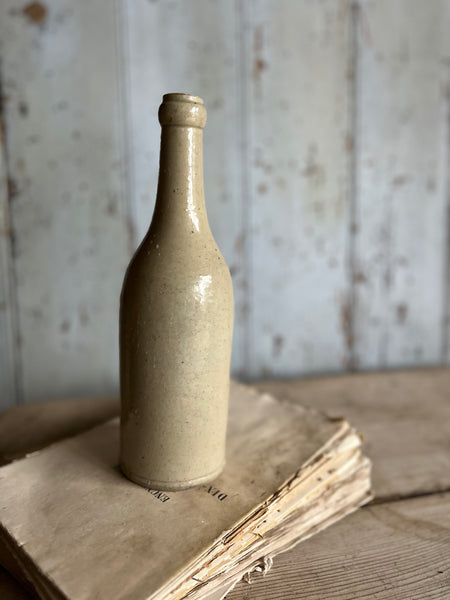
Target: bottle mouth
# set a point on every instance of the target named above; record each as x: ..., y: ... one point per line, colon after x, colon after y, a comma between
x: 184, y: 110
x: 179, y: 97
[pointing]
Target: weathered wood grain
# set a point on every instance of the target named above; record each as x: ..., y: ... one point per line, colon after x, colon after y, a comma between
x: 9, y: 355
x: 403, y: 416
x: 64, y: 123
x: 393, y: 550
x: 396, y: 551
x: 24, y: 429
x: 299, y: 145
x: 401, y: 182
x: 191, y: 47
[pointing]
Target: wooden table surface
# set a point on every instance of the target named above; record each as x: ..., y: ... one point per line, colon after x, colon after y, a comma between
x: 396, y: 548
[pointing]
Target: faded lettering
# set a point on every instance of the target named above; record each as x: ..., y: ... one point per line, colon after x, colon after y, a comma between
x: 213, y: 491
x: 160, y: 495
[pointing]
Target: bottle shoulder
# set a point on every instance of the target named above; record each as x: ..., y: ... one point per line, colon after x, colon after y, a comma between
x: 175, y: 265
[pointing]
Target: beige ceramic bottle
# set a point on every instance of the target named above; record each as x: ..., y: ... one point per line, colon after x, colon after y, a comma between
x: 176, y: 322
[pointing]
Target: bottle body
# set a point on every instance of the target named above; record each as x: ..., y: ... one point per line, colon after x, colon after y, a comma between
x: 176, y: 322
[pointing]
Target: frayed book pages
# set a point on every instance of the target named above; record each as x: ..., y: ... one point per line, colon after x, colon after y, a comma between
x: 72, y: 527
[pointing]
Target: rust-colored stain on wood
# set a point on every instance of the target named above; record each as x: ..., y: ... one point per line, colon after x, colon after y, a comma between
x: 349, y: 143
x: 400, y: 180
x: 65, y: 326
x: 239, y: 243
x: 12, y: 187
x: 402, y: 313
x: 313, y: 171
x: 111, y: 207
x: 36, y: 12
x: 262, y: 188
x: 359, y: 277
x: 259, y: 64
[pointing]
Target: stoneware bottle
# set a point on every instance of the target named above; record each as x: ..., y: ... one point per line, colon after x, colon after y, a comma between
x: 176, y: 321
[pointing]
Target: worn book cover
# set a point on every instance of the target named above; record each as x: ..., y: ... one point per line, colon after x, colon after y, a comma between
x: 73, y: 527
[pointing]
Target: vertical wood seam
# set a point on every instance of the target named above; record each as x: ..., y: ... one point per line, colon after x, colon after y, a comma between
x: 446, y: 273
x: 353, y: 117
x: 123, y: 94
x: 14, y: 324
x: 242, y: 13
x: 387, y: 279
x: 357, y: 84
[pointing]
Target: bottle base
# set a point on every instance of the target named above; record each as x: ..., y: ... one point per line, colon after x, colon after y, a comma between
x: 170, y: 486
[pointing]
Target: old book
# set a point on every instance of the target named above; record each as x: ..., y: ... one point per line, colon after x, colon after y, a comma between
x: 73, y: 527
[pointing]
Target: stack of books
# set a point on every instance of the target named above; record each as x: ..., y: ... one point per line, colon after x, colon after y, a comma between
x: 73, y: 527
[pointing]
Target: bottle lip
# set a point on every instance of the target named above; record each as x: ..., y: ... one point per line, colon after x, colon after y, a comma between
x: 181, y: 97
x: 184, y: 110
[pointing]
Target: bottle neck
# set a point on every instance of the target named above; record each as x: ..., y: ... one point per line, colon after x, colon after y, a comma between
x: 180, y: 199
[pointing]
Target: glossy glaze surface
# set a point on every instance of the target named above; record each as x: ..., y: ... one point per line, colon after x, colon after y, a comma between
x: 176, y: 323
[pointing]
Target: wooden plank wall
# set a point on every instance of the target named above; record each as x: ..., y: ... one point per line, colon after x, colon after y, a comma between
x: 299, y: 117
x: 326, y: 178
x: 67, y: 204
x: 401, y: 226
